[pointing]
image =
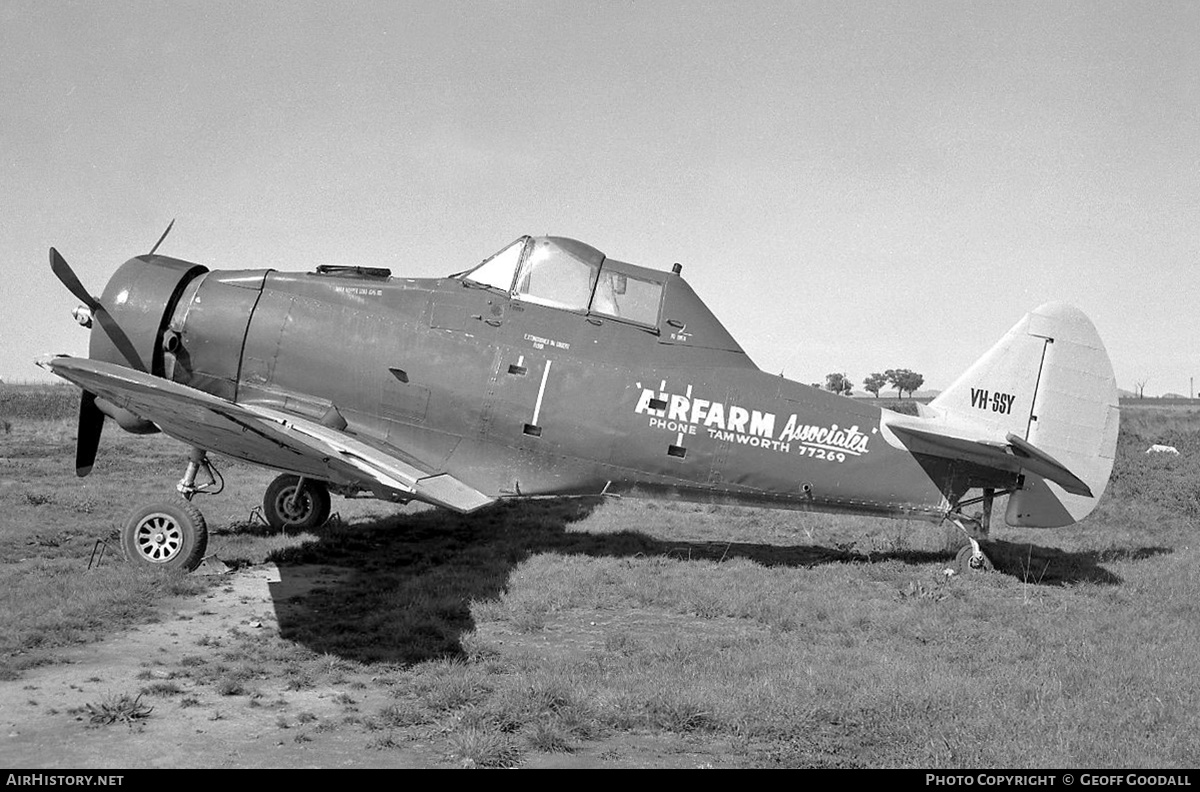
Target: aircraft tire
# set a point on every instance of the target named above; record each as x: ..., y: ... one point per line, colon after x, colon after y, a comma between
x: 962, y: 562
x: 311, y: 509
x: 170, y: 534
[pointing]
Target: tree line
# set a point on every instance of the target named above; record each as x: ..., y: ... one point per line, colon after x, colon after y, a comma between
x: 903, y: 380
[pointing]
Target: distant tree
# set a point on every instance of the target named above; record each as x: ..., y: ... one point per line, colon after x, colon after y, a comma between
x: 904, y: 380
x: 893, y: 378
x: 912, y: 382
x: 1139, y: 387
x: 838, y: 383
x: 817, y: 385
x: 875, y: 383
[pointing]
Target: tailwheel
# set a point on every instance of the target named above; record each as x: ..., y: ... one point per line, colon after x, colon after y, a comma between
x: 971, y: 558
x: 170, y: 534
x: 296, y: 502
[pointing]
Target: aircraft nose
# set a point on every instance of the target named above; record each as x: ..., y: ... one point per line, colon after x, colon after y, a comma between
x: 134, y: 307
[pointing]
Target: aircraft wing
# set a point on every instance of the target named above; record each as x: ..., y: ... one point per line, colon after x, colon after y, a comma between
x: 1013, y: 455
x: 265, y: 435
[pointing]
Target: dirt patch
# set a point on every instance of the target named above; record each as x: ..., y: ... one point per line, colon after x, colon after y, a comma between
x: 179, y: 721
x: 46, y: 722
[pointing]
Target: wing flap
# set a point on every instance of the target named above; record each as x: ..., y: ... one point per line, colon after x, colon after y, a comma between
x: 446, y: 490
x: 440, y: 489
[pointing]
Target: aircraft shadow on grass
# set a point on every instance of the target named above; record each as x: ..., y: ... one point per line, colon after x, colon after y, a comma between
x: 413, y: 577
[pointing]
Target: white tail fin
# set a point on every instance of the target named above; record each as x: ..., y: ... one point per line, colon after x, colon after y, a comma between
x: 1049, y: 382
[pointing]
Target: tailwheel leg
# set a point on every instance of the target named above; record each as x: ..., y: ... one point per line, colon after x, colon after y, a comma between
x: 971, y: 557
x: 985, y: 518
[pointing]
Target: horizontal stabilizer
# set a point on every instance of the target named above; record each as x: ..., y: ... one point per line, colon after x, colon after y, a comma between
x: 1014, y: 456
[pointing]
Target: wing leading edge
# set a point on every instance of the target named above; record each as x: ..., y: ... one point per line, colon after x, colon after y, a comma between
x: 269, y: 436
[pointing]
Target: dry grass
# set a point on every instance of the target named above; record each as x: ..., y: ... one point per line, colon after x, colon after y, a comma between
x: 22, y: 403
x: 118, y: 708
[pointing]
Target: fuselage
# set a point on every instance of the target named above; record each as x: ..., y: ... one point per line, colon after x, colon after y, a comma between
x: 516, y: 397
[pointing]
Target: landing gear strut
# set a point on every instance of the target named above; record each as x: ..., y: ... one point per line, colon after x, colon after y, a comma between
x: 296, y: 502
x: 971, y: 558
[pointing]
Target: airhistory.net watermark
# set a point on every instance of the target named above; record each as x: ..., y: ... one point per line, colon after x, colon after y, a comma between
x: 51, y: 779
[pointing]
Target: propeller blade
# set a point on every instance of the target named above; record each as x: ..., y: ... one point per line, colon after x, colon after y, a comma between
x: 164, y: 236
x: 62, y: 270
x: 91, y: 423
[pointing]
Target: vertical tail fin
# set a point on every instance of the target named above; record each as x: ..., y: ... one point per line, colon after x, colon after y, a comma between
x: 1049, y: 382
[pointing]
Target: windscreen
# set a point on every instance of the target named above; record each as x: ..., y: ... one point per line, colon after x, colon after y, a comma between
x: 499, y: 270
x: 551, y: 276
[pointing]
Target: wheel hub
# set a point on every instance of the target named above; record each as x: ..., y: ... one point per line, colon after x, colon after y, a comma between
x: 294, y: 506
x: 158, y: 538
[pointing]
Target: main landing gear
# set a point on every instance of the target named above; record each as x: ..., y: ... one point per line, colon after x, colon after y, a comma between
x: 172, y: 533
x: 296, y: 502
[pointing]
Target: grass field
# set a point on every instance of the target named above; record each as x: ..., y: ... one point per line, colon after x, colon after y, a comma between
x: 755, y: 638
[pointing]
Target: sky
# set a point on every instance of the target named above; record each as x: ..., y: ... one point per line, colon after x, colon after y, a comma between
x: 850, y: 186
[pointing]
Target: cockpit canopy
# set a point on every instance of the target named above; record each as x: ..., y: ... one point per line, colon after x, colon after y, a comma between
x: 562, y: 273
